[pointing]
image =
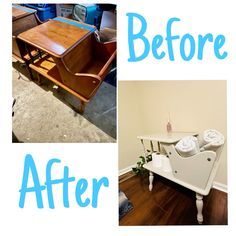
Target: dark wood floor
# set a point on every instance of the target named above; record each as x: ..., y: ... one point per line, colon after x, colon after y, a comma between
x: 169, y: 204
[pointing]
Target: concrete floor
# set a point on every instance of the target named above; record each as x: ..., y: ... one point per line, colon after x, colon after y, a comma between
x: 43, y: 114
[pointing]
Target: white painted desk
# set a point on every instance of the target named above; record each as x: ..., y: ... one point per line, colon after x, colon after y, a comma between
x: 184, y: 169
x: 169, y: 138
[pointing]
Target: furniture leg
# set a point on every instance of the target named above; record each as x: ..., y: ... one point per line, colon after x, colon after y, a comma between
x: 151, y: 177
x: 82, y: 107
x: 39, y: 79
x: 30, y: 72
x: 199, y: 204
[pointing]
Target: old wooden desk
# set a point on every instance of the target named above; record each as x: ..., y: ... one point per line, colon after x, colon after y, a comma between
x: 195, y: 173
x: 23, y: 18
x: 75, y: 60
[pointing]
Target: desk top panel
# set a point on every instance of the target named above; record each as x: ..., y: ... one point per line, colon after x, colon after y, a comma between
x: 20, y: 11
x: 172, y: 137
x: 57, y: 36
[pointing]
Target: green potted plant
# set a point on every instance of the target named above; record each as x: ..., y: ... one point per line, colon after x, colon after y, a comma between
x: 139, y: 169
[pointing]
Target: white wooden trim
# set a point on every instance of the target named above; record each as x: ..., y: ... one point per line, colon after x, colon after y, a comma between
x: 220, y: 186
x: 126, y: 170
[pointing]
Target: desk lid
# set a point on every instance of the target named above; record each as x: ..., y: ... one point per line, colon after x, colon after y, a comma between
x: 57, y: 36
x: 172, y: 137
x: 20, y: 11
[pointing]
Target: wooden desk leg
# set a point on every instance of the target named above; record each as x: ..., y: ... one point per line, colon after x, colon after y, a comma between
x: 30, y: 72
x: 82, y: 107
x: 39, y: 81
x: 79, y: 109
x: 151, y: 177
x: 199, y: 204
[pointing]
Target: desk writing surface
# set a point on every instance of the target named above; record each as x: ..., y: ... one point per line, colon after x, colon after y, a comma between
x: 20, y: 11
x: 172, y: 137
x: 56, y: 37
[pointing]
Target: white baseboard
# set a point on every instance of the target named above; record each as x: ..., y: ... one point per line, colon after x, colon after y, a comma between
x: 219, y: 186
x: 126, y: 170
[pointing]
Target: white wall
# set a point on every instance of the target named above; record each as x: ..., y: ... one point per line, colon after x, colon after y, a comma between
x: 130, y: 125
x: 193, y: 106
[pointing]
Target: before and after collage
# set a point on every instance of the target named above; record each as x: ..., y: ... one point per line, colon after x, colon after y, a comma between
x: 169, y: 135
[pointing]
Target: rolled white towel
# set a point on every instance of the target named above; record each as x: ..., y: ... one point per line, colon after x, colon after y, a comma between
x: 210, y: 140
x: 187, y: 146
